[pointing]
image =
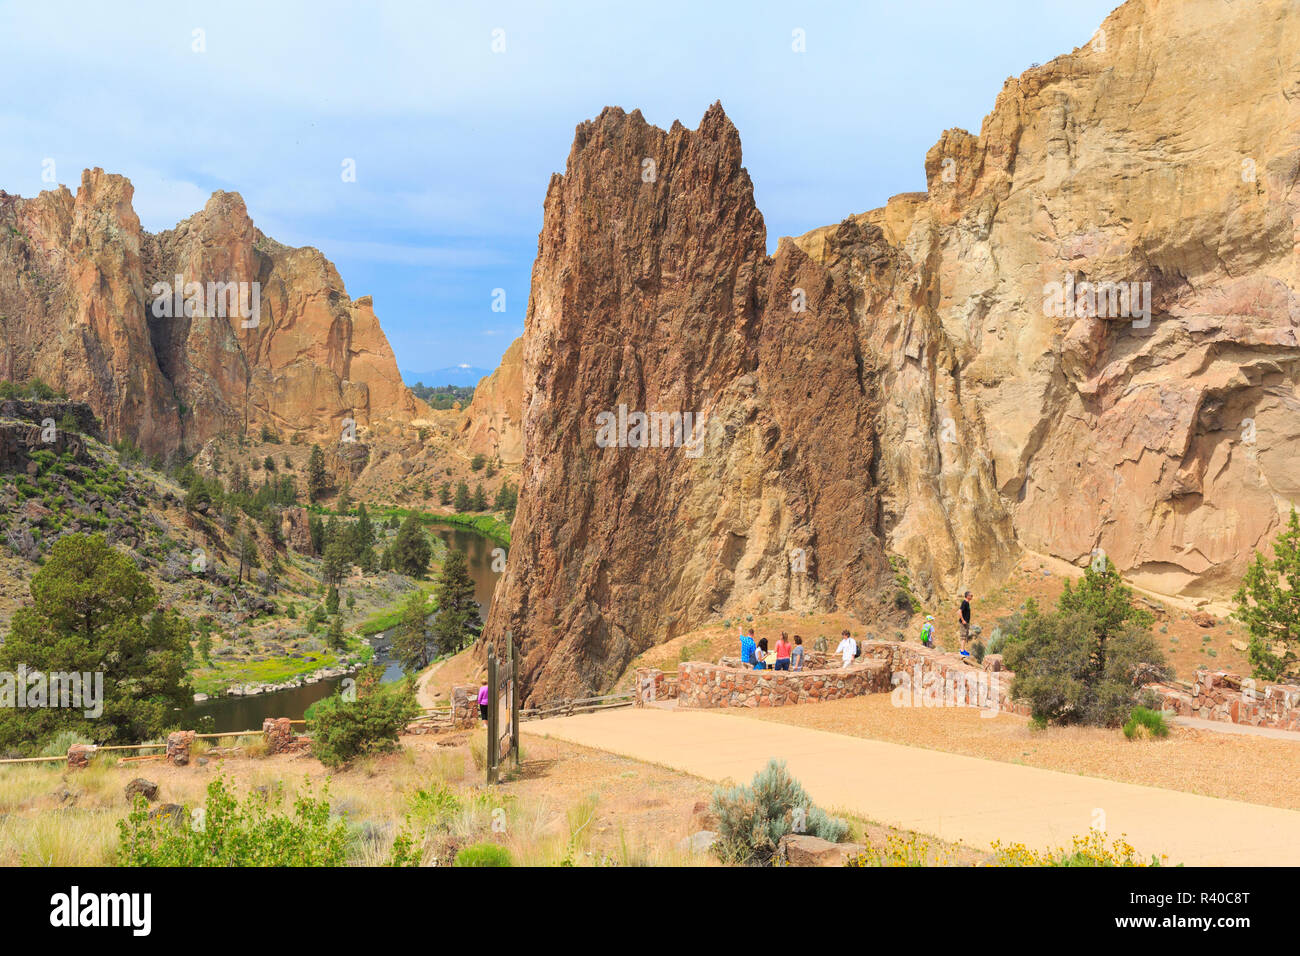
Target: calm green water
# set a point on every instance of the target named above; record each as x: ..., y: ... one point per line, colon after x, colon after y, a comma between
x: 224, y: 714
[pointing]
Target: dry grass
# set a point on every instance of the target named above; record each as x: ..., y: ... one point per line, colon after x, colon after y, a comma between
x: 565, y: 805
x: 433, y: 686
x: 1231, y: 766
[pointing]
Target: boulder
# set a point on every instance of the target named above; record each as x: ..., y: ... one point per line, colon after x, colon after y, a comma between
x: 804, y: 849
x: 698, y: 842
x: 145, y: 788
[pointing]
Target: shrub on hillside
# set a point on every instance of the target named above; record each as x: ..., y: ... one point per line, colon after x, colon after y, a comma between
x: 342, y: 730
x: 484, y: 854
x: 1148, y: 720
x: 752, y: 819
x: 256, y: 832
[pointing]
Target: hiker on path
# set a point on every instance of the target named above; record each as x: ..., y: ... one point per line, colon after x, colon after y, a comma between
x: 963, y: 621
x: 847, y: 649
x: 483, y: 703
x: 927, y: 631
x: 796, y: 655
x: 760, y: 655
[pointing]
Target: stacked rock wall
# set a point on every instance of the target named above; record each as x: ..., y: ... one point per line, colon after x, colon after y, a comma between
x: 711, y: 685
x: 1228, y: 697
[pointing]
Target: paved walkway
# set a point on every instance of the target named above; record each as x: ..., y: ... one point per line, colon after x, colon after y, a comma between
x: 1244, y: 730
x: 950, y: 796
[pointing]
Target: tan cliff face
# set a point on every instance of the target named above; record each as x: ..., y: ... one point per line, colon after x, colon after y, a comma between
x: 1171, y: 442
x: 944, y: 396
x: 493, y: 424
x: 79, y: 280
x: 656, y: 295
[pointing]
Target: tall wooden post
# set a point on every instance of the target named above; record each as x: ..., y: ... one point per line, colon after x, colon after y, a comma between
x: 493, y: 732
x: 514, y: 697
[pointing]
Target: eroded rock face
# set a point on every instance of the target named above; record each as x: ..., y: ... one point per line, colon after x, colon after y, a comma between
x: 79, y: 280
x: 937, y: 398
x: 1170, y: 443
x: 657, y: 295
x: 493, y: 424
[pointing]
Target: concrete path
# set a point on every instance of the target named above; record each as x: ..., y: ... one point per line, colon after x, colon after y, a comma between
x: 953, y: 797
x: 1245, y: 730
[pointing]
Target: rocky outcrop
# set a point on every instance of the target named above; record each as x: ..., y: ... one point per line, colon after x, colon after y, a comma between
x: 1080, y: 340
x: 202, y: 330
x: 656, y: 295
x: 493, y: 424
x: 1155, y: 422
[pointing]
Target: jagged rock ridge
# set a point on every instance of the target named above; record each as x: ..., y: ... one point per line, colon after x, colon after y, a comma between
x: 79, y: 279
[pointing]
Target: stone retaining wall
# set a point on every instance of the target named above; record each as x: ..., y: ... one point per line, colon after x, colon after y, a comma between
x: 464, y: 706
x: 928, y: 677
x: 1230, y: 698
x: 712, y: 685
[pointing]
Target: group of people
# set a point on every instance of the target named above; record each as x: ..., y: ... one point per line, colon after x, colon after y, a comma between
x: 784, y: 657
x: 787, y: 656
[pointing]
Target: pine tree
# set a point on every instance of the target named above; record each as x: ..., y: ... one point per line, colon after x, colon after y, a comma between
x: 317, y: 482
x: 411, y: 550
x: 411, y: 645
x: 335, y: 563
x: 365, y: 533
x: 316, y: 528
x: 247, y: 552
x: 463, y: 500
x: 335, y: 636
x: 479, y: 501
x: 87, y: 613
x: 457, y: 621
x: 444, y: 493
x: 1268, y: 603
x: 271, y: 524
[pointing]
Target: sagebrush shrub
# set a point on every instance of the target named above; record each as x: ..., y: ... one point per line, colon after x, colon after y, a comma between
x: 752, y: 819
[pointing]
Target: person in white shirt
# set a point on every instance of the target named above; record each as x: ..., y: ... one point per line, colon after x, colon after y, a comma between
x: 848, y: 649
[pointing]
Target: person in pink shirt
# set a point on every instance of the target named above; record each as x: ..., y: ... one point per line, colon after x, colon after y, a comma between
x: 783, y: 652
x: 483, y: 702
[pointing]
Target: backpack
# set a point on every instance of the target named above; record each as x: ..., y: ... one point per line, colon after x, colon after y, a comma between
x: 857, y: 649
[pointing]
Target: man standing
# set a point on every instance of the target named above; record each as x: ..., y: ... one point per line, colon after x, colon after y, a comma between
x: 847, y: 649
x: 747, y: 645
x: 963, y: 621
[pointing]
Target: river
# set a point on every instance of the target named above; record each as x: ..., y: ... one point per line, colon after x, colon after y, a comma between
x: 225, y: 714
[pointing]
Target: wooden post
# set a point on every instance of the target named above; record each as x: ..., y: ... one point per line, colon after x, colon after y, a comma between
x: 493, y: 738
x: 514, y: 697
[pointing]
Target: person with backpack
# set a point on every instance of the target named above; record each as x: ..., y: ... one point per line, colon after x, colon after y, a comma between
x: 927, y: 631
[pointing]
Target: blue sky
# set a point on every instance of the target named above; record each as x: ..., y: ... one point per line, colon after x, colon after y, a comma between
x: 454, y: 143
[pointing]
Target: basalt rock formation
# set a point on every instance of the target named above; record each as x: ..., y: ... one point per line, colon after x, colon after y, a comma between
x: 1080, y: 340
x: 82, y: 286
x: 656, y: 294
